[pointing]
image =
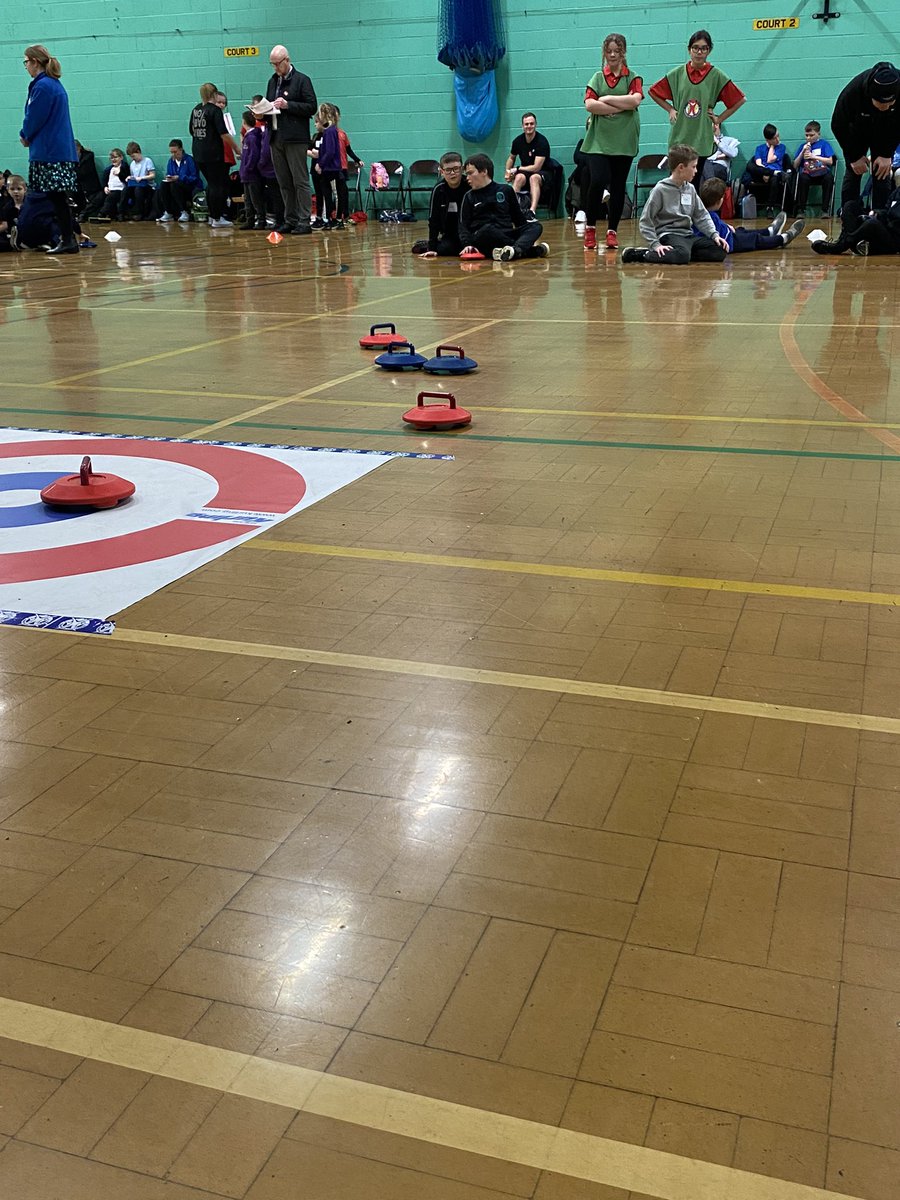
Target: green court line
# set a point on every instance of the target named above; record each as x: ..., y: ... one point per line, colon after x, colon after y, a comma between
x: 105, y: 416
x: 682, y: 447
x: 609, y: 445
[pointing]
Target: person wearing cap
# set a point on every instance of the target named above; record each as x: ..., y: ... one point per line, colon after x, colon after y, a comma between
x: 866, y: 123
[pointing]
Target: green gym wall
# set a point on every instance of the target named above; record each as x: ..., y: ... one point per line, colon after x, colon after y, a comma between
x: 132, y: 68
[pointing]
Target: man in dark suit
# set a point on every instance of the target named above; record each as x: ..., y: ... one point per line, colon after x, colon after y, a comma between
x: 292, y: 94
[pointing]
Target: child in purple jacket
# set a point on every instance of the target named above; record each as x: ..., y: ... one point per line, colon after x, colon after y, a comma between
x: 258, y: 174
x: 329, y: 164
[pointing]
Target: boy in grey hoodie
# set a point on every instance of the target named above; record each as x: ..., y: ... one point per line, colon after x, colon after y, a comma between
x: 672, y: 209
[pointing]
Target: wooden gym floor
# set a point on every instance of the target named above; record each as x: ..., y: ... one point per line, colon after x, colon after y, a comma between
x: 519, y: 826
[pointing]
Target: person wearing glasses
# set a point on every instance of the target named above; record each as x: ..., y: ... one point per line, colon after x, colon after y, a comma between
x: 47, y: 132
x: 689, y: 95
x: 293, y: 95
x: 443, y: 211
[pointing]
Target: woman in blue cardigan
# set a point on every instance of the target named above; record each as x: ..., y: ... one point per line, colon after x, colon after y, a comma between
x: 47, y: 132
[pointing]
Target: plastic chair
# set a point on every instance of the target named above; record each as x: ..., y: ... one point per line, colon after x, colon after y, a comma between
x: 427, y: 171
x: 354, y: 185
x: 394, y: 193
x: 646, y: 164
x: 552, y: 188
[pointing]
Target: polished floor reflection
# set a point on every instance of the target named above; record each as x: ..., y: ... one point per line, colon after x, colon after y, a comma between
x: 492, y: 806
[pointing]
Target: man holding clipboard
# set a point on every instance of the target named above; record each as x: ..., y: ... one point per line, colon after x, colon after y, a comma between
x: 290, y: 102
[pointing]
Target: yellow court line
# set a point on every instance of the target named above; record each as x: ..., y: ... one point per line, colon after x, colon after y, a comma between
x: 345, y: 402
x: 248, y: 312
x: 600, y: 574
x: 237, y: 337
x: 513, y: 409
x: 524, y: 320
x: 535, y: 683
x: 305, y: 393
x: 389, y: 1110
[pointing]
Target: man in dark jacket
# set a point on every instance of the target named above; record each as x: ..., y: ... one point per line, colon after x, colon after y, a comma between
x: 866, y: 123
x: 292, y: 94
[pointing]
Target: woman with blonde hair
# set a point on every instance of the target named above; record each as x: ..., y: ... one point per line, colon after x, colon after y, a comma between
x: 611, y: 141
x: 47, y: 132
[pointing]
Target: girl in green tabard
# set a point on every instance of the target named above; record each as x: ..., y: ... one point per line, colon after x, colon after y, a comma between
x: 611, y: 141
x: 690, y: 93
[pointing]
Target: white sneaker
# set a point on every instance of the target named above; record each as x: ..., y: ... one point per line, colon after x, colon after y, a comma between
x: 164, y: 219
x: 504, y: 253
x: 543, y: 250
x: 221, y: 223
x: 184, y: 218
x: 581, y: 217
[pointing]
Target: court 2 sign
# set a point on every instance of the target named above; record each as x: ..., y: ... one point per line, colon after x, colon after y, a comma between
x: 776, y: 24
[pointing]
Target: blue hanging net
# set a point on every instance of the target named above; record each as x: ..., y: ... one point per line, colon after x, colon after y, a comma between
x: 471, y: 42
x: 470, y: 35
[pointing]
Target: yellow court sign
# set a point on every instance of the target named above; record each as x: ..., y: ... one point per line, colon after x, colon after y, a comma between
x: 242, y: 51
x: 776, y: 24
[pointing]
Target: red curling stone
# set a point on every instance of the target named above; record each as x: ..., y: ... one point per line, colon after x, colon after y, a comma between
x: 437, y: 416
x: 374, y: 340
x: 87, y: 489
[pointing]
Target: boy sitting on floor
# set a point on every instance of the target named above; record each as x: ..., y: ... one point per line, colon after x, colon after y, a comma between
x: 10, y: 207
x: 491, y: 220
x: 443, y: 211
x: 865, y: 231
x: 712, y: 193
x: 672, y: 212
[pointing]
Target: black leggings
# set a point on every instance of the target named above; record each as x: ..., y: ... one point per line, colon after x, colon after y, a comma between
x: 63, y: 214
x: 607, y: 173
x: 216, y: 176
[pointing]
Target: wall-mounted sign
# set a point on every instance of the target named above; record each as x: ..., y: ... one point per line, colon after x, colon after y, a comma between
x: 776, y: 24
x: 242, y: 51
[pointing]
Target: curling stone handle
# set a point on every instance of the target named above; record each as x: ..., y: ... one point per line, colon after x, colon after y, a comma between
x: 86, y: 471
x: 397, y: 347
x: 387, y: 325
x: 458, y: 350
x: 420, y: 399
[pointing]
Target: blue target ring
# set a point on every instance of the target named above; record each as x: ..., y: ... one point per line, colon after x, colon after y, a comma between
x: 21, y: 515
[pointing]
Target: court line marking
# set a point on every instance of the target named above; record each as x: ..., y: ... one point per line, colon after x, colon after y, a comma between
x: 814, y: 381
x: 582, y: 443
x: 237, y: 337
x: 305, y: 393
x: 389, y: 1110
x: 563, y: 571
x: 599, y: 414
x: 491, y: 678
x: 612, y: 321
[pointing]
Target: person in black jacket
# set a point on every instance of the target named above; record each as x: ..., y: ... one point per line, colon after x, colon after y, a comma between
x: 90, y: 189
x: 293, y: 95
x: 443, y: 211
x: 864, y: 232
x: 491, y: 220
x: 866, y: 123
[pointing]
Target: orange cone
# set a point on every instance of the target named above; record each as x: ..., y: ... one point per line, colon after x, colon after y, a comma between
x: 275, y: 238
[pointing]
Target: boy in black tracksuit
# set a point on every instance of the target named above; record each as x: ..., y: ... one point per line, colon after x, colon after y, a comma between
x: 864, y: 232
x: 490, y: 219
x: 443, y: 211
